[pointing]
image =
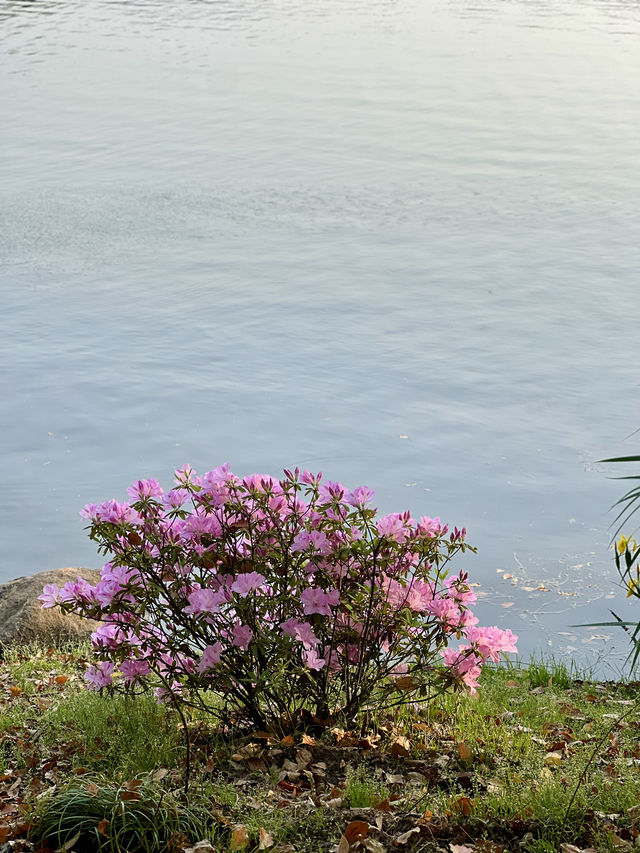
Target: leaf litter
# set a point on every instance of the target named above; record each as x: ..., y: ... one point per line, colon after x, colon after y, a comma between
x: 431, y: 783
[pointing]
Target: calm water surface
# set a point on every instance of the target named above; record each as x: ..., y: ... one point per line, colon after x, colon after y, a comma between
x: 395, y: 240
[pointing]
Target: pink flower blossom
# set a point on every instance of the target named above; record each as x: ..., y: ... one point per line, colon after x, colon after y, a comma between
x: 115, y: 512
x: 133, y: 670
x: 50, y: 595
x: 491, y: 642
x: 242, y: 636
x: 359, y: 497
x: 101, y: 676
x: 312, y: 661
x: 205, y: 601
x: 247, y: 582
x: 90, y: 512
x: 175, y: 498
x: 393, y: 526
x: 459, y: 589
x: 210, y: 657
x: 300, y: 631
x: 314, y: 539
x: 431, y: 526
x: 143, y: 489
x: 330, y: 492
x: 314, y: 600
x: 465, y: 665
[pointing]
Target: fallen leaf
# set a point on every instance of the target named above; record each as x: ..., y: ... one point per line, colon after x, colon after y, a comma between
x: 239, y: 838
x: 553, y: 759
x: 464, y: 752
x: 343, y: 846
x: 634, y: 814
x: 401, y: 746
x: 69, y: 844
x: 508, y: 603
x: 460, y: 848
x: 356, y: 830
x: 102, y: 827
x: 406, y: 837
x: 200, y: 847
x: 266, y: 840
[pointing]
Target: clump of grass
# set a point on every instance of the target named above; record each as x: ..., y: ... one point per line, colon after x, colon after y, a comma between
x: 101, y: 817
x: 127, y: 735
x: 362, y: 792
x: 551, y: 673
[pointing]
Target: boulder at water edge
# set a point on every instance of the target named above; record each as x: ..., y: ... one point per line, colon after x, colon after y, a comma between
x: 22, y: 620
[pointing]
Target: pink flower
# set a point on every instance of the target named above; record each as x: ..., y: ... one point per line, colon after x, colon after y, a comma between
x: 459, y: 589
x: 490, y: 642
x: 315, y: 539
x: 186, y: 476
x: 210, y: 657
x: 314, y: 600
x: 394, y: 526
x: 330, y: 492
x: 108, y: 635
x: 431, y: 526
x: 100, y: 677
x: 312, y: 661
x: 50, y: 595
x: 247, y: 582
x: 205, y: 601
x: 175, y: 498
x: 116, y: 513
x: 359, y: 497
x: 143, y: 489
x: 310, y: 479
x: 90, y: 512
x: 133, y: 670
x: 300, y: 631
x: 242, y: 636
x: 465, y: 665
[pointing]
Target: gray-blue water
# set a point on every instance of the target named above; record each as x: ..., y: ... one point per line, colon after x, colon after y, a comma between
x: 394, y: 240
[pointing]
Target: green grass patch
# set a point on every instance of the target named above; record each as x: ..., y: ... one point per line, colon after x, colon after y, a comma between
x: 538, y: 759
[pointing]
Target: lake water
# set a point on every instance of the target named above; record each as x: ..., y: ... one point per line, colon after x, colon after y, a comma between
x: 394, y: 240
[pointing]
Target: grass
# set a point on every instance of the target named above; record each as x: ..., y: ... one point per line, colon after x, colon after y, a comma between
x: 540, y: 758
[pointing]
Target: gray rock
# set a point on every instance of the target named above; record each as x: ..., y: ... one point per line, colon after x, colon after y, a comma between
x: 22, y: 619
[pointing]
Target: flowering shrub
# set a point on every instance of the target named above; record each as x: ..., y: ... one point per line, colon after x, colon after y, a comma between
x: 287, y: 598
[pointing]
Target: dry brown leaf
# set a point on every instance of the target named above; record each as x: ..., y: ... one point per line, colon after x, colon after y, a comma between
x: 239, y: 838
x: 102, y: 827
x: 356, y: 830
x: 401, y: 746
x: 460, y: 848
x: 406, y: 837
x: 200, y: 847
x: 266, y: 841
x: 553, y: 759
x: 343, y: 845
x: 406, y: 682
x: 464, y: 752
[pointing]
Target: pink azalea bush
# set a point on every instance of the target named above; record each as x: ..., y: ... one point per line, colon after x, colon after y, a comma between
x: 284, y: 599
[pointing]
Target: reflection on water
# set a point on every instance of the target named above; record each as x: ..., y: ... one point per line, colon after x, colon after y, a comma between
x: 395, y: 241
